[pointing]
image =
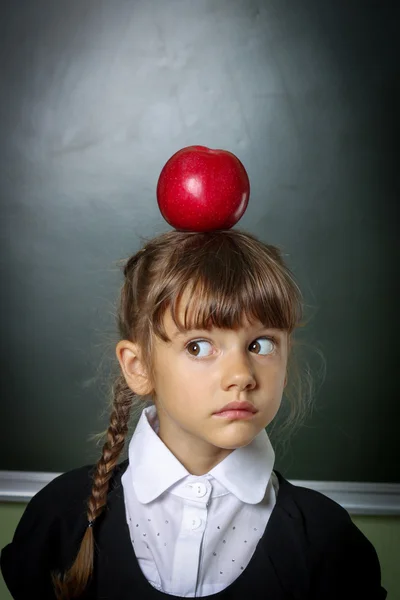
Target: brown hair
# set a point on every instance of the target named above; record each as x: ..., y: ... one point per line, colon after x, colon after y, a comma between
x: 234, y: 276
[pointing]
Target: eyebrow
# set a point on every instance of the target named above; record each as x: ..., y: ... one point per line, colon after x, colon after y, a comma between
x: 186, y: 332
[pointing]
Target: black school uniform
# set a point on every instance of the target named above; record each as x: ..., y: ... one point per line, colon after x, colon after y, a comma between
x: 310, y: 548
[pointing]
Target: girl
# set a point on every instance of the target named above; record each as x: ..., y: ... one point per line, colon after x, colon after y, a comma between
x: 206, y: 323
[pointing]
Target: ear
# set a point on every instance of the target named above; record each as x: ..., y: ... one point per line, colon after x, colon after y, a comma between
x: 128, y: 355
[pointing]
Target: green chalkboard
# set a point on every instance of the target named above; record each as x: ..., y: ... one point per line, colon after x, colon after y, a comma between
x: 93, y: 103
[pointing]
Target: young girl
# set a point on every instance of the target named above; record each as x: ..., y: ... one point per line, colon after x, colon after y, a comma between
x: 206, y: 320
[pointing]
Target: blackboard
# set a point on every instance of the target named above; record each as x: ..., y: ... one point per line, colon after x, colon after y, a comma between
x: 95, y: 96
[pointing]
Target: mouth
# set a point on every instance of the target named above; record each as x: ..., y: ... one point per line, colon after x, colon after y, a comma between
x: 237, y: 410
x: 237, y: 407
x: 235, y: 414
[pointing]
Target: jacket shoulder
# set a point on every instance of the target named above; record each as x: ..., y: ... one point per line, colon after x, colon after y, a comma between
x: 68, y: 491
x: 342, y: 561
x: 64, y: 491
x: 48, y: 534
x: 310, y: 500
x: 317, y: 507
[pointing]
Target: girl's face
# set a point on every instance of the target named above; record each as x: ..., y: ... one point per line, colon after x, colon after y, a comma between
x: 199, y: 372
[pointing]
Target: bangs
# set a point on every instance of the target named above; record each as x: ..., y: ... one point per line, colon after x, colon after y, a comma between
x: 225, y: 289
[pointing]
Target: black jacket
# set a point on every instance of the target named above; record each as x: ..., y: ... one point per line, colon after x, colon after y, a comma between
x: 310, y: 548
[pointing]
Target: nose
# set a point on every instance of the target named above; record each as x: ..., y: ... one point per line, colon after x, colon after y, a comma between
x: 238, y: 373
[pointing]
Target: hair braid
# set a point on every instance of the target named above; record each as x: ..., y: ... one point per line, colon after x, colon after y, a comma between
x: 112, y: 449
x: 72, y: 583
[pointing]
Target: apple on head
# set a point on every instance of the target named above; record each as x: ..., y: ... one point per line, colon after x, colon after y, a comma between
x: 200, y: 189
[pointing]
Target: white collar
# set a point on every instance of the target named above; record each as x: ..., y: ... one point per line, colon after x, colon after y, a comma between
x: 245, y: 472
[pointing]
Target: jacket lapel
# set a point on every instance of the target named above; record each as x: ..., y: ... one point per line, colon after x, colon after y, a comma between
x: 285, y: 544
x: 117, y: 568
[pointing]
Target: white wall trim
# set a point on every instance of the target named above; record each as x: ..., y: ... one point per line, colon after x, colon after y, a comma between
x: 21, y: 486
x: 356, y: 498
x: 359, y: 498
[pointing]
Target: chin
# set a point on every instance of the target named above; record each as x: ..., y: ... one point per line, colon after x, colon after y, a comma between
x: 233, y: 441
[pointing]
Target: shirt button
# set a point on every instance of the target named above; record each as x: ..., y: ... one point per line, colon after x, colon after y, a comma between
x: 200, y: 490
x: 195, y: 522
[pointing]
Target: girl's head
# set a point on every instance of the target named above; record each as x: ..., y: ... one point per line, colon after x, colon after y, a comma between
x: 205, y: 319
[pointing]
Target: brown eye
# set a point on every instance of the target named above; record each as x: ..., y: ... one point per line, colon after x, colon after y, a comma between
x: 196, y: 348
x: 265, y: 347
x: 193, y: 348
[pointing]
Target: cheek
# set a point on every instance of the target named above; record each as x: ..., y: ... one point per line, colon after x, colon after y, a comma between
x: 274, y: 397
x: 177, y: 382
x: 193, y: 384
x: 273, y: 376
x: 273, y: 409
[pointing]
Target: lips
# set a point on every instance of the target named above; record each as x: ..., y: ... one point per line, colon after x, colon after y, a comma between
x: 238, y: 406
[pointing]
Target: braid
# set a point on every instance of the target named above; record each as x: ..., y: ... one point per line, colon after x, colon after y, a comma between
x: 116, y: 434
x: 73, y: 583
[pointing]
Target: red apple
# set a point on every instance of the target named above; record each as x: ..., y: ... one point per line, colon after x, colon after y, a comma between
x: 200, y: 189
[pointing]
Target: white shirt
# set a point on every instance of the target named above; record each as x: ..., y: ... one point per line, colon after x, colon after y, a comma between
x: 194, y: 535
